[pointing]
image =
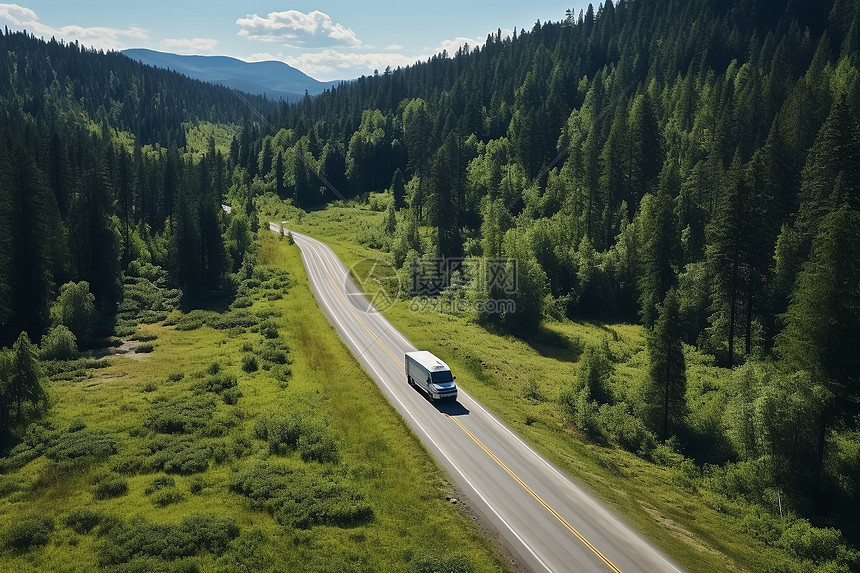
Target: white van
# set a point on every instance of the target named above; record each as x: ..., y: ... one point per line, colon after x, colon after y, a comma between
x: 430, y: 374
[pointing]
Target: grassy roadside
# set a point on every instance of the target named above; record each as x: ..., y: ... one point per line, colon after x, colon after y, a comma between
x: 520, y: 381
x: 214, y: 407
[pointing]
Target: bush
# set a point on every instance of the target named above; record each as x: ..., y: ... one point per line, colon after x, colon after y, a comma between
x: 109, y: 487
x: 184, y: 415
x: 139, y: 539
x: 302, y: 499
x: 159, y: 483
x: 625, y: 429
x: 249, y: 363
x: 165, y: 497
x: 275, y: 352
x: 24, y: 533
x: 217, y: 383
x: 239, y: 318
x: 59, y: 344
x: 318, y: 445
x: 82, y: 520
x: 231, y: 396
x: 180, y: 455
x: 144, y: 348
x: 81, y: 443
x: 269, y: 329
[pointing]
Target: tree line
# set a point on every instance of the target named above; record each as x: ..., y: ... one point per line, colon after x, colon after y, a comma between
x: 95, y: 176
x: 692, y: 166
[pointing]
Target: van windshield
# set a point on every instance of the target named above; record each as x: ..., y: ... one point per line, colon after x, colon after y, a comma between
x: 442, y: 377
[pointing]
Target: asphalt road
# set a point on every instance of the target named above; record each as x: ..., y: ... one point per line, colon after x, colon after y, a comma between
x: 546, y: 519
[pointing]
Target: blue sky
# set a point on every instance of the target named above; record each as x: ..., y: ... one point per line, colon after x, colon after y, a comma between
x: 327, y: 39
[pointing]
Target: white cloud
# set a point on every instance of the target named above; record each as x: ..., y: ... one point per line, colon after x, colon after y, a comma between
x: 20, y: 18
x: 190, y: 45
x: 260, y: 57
x: 334, y: 65
x: 297, y: 29
x: 451, y: 46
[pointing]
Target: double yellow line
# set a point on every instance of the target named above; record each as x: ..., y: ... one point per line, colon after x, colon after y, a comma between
x: 563, y: 521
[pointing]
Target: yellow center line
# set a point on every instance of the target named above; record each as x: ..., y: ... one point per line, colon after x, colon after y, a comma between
x: 537, y: 497
x: 564, y: 522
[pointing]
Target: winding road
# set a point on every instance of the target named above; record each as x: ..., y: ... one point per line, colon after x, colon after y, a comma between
x: 548, y: 521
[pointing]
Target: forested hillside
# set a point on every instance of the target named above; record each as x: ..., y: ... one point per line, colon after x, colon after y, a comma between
x: 693, y: 166
x: 95, y: 173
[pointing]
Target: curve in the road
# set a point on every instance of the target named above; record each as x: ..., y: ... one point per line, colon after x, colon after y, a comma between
x: 531, y: 503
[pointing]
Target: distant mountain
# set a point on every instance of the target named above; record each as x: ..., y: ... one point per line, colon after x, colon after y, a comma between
x: 276, y: 80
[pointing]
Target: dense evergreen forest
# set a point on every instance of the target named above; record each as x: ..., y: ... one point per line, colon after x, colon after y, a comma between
x: 691, y: 165
x: 95, y: 173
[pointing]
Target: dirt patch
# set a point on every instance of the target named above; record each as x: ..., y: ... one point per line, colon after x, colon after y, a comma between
x: 125, y: 349
x: 677, y: 529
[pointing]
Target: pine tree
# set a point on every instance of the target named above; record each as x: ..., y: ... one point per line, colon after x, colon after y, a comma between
x: 822, y: 332
x: 27, y: 376
x: 659, y: 245
x: 665, y: 388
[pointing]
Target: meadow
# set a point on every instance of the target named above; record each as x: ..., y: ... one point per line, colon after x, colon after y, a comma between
x: 237, y: 438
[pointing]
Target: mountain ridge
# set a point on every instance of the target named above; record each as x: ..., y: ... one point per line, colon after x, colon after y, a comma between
x: 273, y: 79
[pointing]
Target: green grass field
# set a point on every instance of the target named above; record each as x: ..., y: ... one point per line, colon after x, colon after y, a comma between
x: 520, y: 381
x: 200, y: 455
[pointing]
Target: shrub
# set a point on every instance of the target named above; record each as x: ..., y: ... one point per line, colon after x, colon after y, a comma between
x: 82, y: 520
x: 180, y: 455
x: 24, y: 533
x: 240, y: 318
x: 318, y: 445
x: 184, y: 415
x: 144, y: 348
x: 196, y: 485
x: 625, y: 429
x: 165, y: 497
x: 217, y: 383
x: 269, y: 329
x: 249, y: 363
x: 77, y: 444
x: 281, y: 433
x: 302, y: 499
x: 275, y: 352
x: 241, y: 302
x: 159, y: 483
x: 231, y: 396
x: 109, y: 487
x: 59, y: 344
x: 139, y: 539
